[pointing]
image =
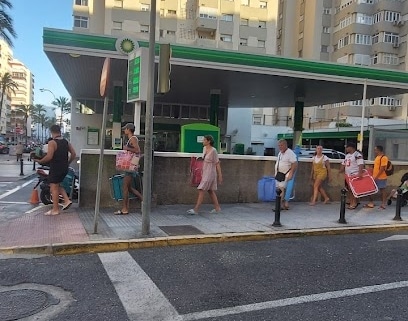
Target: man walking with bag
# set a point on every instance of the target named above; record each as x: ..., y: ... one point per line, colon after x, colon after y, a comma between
x: 285, y: 168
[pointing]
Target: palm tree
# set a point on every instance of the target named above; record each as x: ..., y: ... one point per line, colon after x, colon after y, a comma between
x: 6, y: 22
x: 26, y: 110
x: 42, y: 120
x: 49, y: 122
x: 7, y: 84
x: 38, y: 109
x: 64, y: 104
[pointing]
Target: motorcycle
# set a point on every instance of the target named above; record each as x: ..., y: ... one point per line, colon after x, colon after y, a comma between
x: 70, y: 184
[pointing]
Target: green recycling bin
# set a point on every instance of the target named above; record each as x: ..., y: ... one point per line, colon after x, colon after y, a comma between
x: 239, y: 149
x: 191, y: 140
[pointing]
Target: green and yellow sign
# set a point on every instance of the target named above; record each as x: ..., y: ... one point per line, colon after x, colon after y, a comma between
x: 137, y: 76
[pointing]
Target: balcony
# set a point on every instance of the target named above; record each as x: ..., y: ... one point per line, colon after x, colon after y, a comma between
x: 207, y: 24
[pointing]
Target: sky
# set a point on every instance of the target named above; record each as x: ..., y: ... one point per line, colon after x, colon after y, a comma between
x: 30, y: 17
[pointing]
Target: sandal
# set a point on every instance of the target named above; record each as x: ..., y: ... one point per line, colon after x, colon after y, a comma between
x: 381, y: 207
x: 369, y: 205
x: 119, y: 212
x: 192, y: 212
x: 352, y: 207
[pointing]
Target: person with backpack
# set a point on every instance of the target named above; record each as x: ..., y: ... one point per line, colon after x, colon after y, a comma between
x: 380, y: 169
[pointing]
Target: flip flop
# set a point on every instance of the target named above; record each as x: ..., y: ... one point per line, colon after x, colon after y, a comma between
x: 352, y: 207
x: 369, y: 206
x: 381, y: 207
x: 50, y: 213
x: 67, y: 206
x: 119, y: 212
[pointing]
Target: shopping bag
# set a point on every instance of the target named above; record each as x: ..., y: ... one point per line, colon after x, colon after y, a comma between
x: 124, y: 161
x: 196, y: 171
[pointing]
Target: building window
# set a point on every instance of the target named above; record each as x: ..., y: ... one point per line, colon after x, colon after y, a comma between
x: 227, y: 17
x: 362, y: 60
x: 171, y: 13
x: 161, y: 12
x: 343, y: 42
x: 390, y: 59
x: 171, y: 33
x: 118, y: 3
x: 390, y: 37
x: 326, y: 29
x: 377, y: 17
x: 145, y: 7
x: 263, y: 4
x: 144, y: 28
x: 364, y: 19
x: 375, y: 38
x: 117, y: 25
x: 245, y: 3
x: 324, y: 49
x: 392, y: 16
x: 374, y: 59
x: 344, y: 22
x: 327, y: 11
x: 226, y: 38
x: 243, y: 42
x: 362, y: 39
x: 244, y: 22
x: 81, y: 3
x: 81, y: 22
x: 262, y: 24
x: 261, y: 43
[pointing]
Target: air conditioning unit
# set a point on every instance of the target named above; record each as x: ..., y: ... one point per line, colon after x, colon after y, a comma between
x: 392, y: 108
x: 395, y: 22
x: 401, y: 23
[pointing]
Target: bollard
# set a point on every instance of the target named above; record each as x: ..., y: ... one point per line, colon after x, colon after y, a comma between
x: 277, y: 208
x: 398, y: 206
x: 33, y: 164
x: 342, y: 219
x: 21, y: 167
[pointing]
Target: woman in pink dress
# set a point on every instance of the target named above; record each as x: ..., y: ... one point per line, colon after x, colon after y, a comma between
x: 211, y: 172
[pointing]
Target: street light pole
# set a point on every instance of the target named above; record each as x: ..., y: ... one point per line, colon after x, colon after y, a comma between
x: 55, y: 99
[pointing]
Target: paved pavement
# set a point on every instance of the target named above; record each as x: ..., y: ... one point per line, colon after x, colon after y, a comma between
x: 73, y: 230
x: 10, y: 169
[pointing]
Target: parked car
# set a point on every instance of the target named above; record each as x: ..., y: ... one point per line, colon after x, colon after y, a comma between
x: 4, y: 148
x: 330, y: 153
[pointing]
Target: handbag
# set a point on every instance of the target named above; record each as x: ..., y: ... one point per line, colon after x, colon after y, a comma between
x: 279, y: 176
x: 124, y: 161
x: 196, y: 171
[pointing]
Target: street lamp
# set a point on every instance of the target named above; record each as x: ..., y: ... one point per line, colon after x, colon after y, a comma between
x: 55, y: 99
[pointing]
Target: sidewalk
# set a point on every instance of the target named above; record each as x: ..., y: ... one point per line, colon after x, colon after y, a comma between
x: 10, y: 169
x: 72, y: 231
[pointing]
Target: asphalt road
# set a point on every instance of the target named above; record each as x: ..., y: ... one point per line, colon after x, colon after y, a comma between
x: 349, y: 277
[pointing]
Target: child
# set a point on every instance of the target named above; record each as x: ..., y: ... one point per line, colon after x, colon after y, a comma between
x: 394, y: 192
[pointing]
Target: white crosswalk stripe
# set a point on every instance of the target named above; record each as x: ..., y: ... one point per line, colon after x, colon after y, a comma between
x: 140, y: 297
x: 395, y: 238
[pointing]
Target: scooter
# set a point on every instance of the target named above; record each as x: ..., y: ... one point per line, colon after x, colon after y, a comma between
x: 70, y: 184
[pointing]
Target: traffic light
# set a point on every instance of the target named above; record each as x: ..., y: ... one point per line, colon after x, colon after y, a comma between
x: 163, y: 80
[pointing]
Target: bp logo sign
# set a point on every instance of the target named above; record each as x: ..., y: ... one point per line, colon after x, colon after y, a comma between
x: 126, y: 45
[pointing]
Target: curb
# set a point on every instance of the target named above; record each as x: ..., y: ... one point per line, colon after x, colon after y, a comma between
x: 131, y: 244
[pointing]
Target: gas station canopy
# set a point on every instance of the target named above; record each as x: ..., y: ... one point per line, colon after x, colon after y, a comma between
x: 245, y: 80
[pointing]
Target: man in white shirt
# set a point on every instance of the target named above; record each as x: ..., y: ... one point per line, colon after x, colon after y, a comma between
x: 285, y: 168
x: 353, y: 164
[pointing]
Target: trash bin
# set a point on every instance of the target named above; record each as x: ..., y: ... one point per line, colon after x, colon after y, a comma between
x: 239, y: 149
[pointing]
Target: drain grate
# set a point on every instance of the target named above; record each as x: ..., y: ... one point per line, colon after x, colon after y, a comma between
x: 18, y: 304
x: 174, y: 230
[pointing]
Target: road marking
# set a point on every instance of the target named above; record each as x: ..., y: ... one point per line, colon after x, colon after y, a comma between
x: 140, y: 297
x: 9, y: 202
x: 35, y: 209
x: 395, y: 238
x: 293, y: 301
x: 15, y: 189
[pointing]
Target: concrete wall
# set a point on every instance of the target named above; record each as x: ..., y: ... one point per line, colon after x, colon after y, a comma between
x: 240, y: 173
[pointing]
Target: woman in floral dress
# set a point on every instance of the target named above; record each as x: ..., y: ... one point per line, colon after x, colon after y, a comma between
x: 211, y: 174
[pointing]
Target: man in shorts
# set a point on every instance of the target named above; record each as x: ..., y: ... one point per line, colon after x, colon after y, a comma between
x: 380, y: 177
x: 57, y: 157
x: 285, y: 168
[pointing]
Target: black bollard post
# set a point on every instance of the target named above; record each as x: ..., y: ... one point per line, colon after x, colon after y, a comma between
x: 33, y: 164
x: 21, y: 167
x: 398, y: 206
x: 277, y: 208
x: 342, y: 219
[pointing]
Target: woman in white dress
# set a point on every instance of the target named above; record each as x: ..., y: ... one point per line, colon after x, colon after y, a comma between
x: 211, y: 173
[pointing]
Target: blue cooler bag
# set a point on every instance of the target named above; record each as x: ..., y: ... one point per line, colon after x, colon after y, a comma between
x: 266, y: 189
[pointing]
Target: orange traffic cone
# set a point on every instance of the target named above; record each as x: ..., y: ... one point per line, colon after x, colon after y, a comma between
x: 34, y: 197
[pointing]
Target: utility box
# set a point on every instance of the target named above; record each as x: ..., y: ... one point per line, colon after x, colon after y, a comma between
x: 191, y: 140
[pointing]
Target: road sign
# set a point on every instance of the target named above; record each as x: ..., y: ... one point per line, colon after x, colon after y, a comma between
x: 137, y: 75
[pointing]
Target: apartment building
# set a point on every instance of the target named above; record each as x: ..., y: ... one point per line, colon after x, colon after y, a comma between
x: 244, y: 25
x: 6, y: 55
x: 359, y: 32
x: 25, y: 81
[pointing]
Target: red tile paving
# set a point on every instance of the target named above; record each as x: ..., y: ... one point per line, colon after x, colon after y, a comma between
x: 38, y: 229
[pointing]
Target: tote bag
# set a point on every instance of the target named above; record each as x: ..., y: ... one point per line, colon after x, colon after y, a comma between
x: 127, y: 161
x: 196, y: 171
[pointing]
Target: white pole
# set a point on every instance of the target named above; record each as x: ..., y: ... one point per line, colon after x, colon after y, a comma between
x: 148, y: 148
x: 360, y: 143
